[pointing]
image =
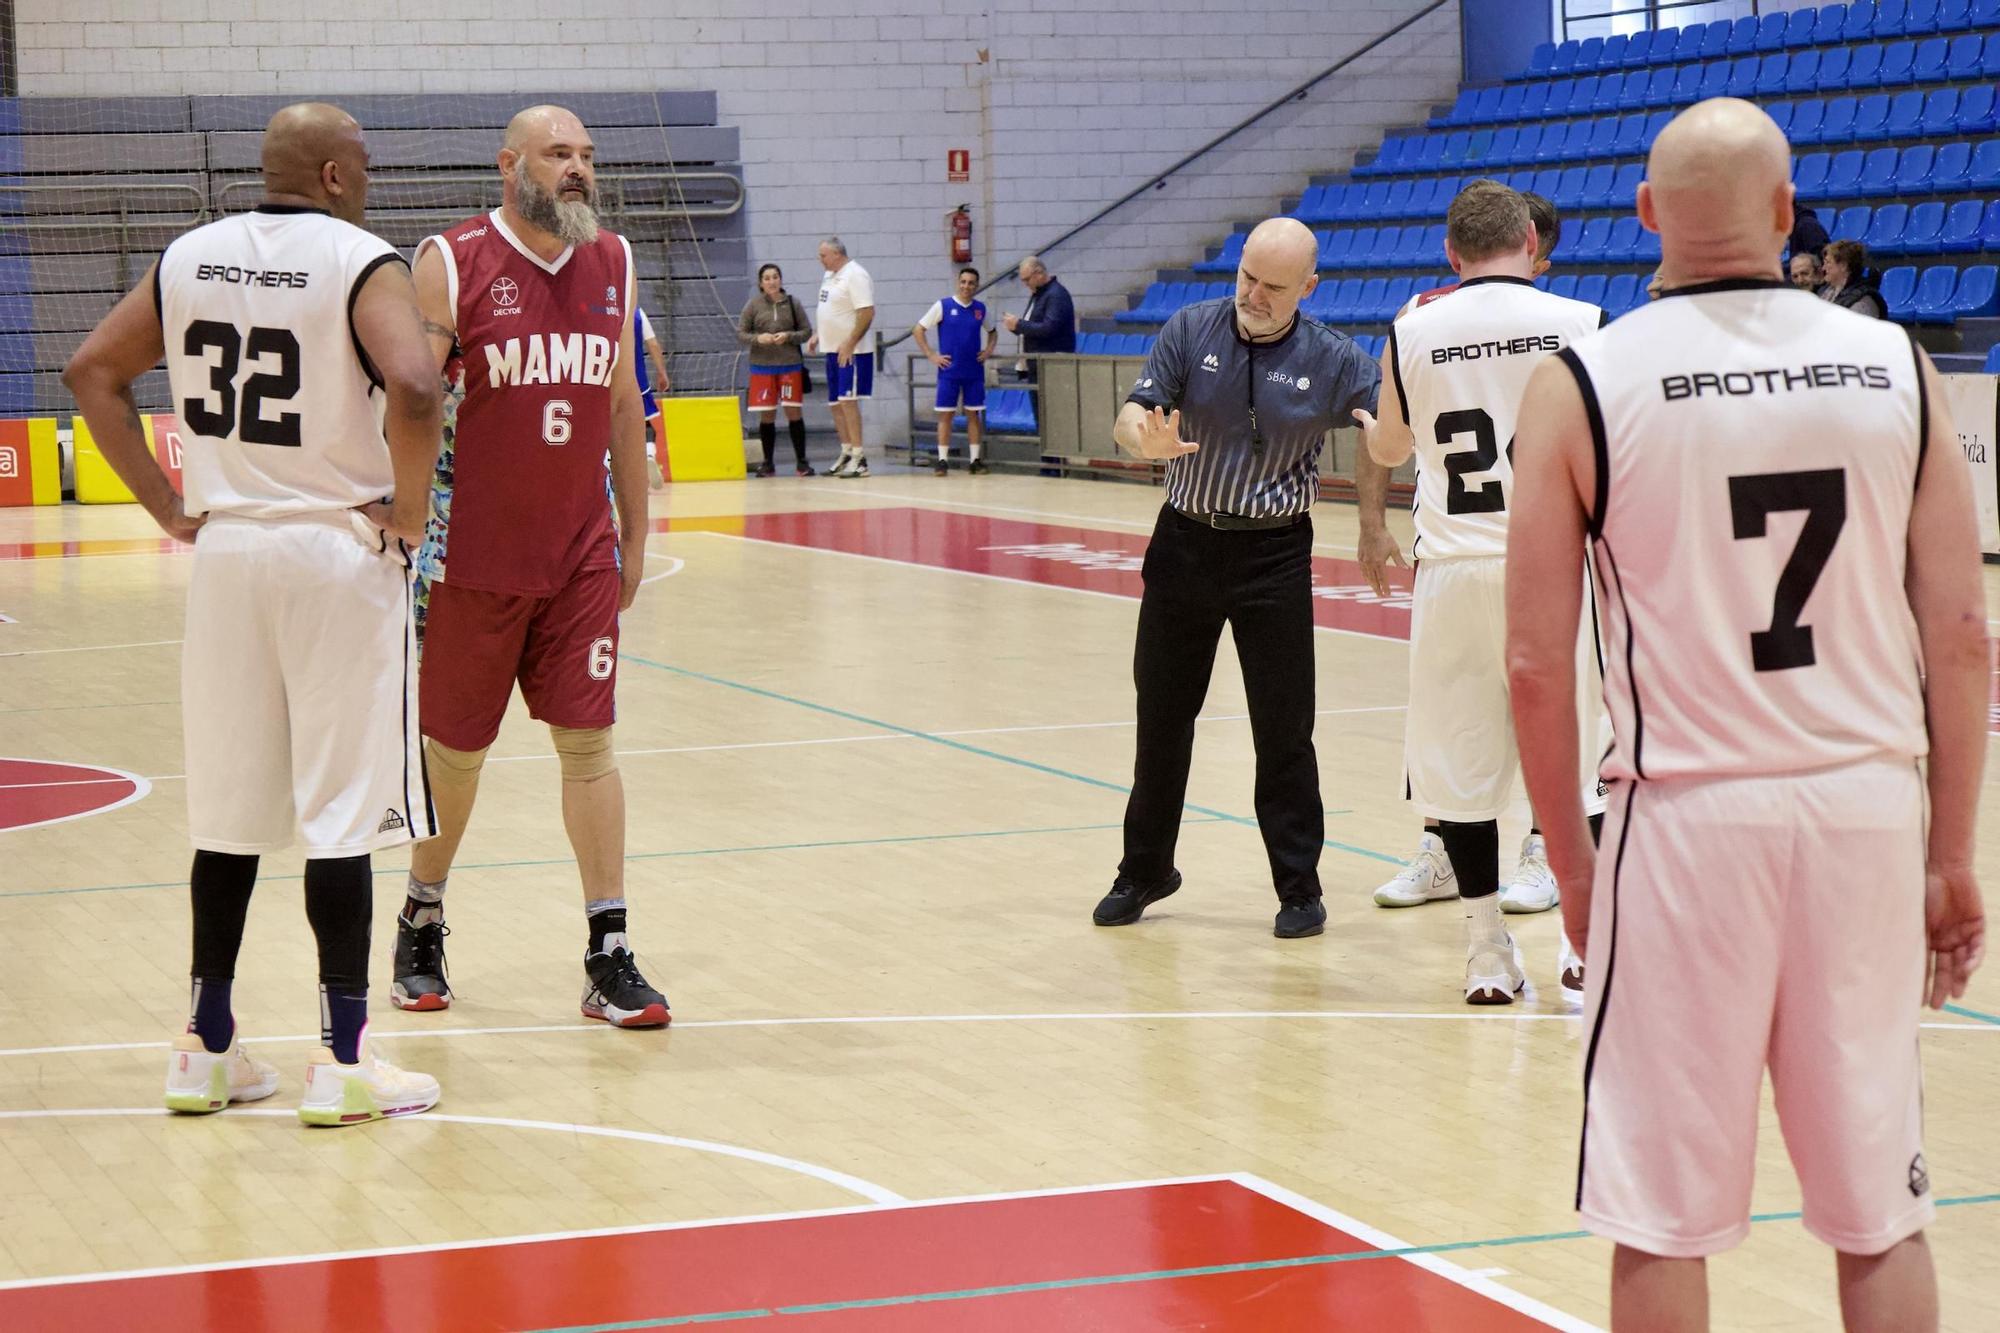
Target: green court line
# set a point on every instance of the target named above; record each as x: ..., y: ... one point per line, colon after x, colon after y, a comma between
x: 1121, y: 1279
x: 1963, y: 1012
x: 980, y: 750
x: 634, y: 856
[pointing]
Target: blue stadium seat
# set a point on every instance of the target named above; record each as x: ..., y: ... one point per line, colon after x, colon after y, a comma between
x: 1871, y: 117
x: 1563, y: 284
x: 1582, y: 92
x: 1620, y: 293
x: 1833, y: 69
x: 1610, y: 89
x: 1503, y: 149
x: 1595, y: 192
x: 1588, y: 55
x: 1148, y: 302
x: 1838, y: 124
x: 1715, y: 79
x: 1369, y: 301
x: 1843, y: 175
x: 1989, y: 227
x: 1975, y: 110
x: 1743, y: 36
x: 1898, y: 64
x: 1443, y: 190
x: 1374, y: 202
x: 1889, y: 16
x: 1343, y: 202
x: 1954, y: 15
x: 1688, y: 48
x: 1458, y: 147
x: 1613, y: 54
x: 1948, y: 174
x: 1850, y: 224
x: 1545, y: 182
x: 1636, y: 133
x: 1989, y: 60
x: 1388, y: 157
x: 1801, y: 74
x: 1394, y: 295
x: 1743, y: 76
x: 1660, y: 87
x: 1090, y: 344
x: 1638, y: 49
x: 1913, y: 170
x: 1781, y: 116
x: 1810, y: 176
x: 1906, y: 113
x: 1806, y: 119
x: 1831, y: 19
x: 1334, y: 247
x: 1770, y: 33
x: 1433, y: 246
x: 1772, y: 71
x: 1929, y: 65
x: 1563, y: 61
x: 1340, y: 307
x: 1590, y: 289
x: 1627, y: 243
x: 1984, y: 173
x: 1591, y: 138
x: 1968, y: 50
x: 1638, y: 87
x: 1940, y: 113
x: 1978, y: 292
x: 1625, y: 187
x: 1549, y: 147
x: 1878, y: 172
x: 1885, y: 229
x: 1864, y: 67
x: 1923, y: 234
x: 1540, y: 61
x: 1860, y: 22
x: 1460, y: 112
x: 1409, y: 252
x: 1922, y: 18
x: 1985, y: 13
x: 1591, y: 244
x: 1512, y: 99
x: 1570, y: 188
x: 1486, y: 109
x: 1961, y: 227
x: 1430, y: 152
x: 1686, y: 85
x: 1534, y: 101
x: 1382, y: 253
x: 1226, y: 260
x: 1397, y: 205
x: 1935, y: 289
x: 1715, y: 39
x: 1311, y: 204
x: 1799, y: 27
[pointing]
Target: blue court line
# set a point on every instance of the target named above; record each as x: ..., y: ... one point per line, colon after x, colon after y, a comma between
x: 1121, y: 1279
x: 980, y: 750
x: 1963, y: 1012
x: 635, y: 856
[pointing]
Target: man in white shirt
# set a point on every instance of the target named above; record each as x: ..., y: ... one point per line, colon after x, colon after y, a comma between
x: 846, y: 320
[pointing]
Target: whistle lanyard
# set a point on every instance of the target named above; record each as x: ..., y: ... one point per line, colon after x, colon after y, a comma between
x: 1250, y: 397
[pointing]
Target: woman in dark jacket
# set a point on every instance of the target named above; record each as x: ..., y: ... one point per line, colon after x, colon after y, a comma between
x: 1849, y: 283
x: 774, y: 328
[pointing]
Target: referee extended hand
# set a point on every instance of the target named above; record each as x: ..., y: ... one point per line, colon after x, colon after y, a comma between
x: 1159, y: 436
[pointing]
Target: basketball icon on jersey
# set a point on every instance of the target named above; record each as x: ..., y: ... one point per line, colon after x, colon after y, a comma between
x: 504, y: 292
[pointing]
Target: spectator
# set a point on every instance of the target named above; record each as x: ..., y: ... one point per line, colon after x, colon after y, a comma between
x: 774, y: 327
x: 846, y: 335
x: 1808, y: 233
x: 965, y: 340
x: 1849, y: 281
x: 1049, y: 324
x: 1806, y: 272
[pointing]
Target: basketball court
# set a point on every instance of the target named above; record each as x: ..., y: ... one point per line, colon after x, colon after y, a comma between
x: 876, y: 737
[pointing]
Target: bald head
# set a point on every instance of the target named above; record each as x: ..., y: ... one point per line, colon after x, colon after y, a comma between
x: 1277, y: 271
x: 538, y: 125
x: 314, y: 151
x: 1718, y: 190
x: 548, y: 174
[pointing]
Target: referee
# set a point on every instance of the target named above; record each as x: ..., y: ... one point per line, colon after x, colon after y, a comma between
x: 1238, y: 396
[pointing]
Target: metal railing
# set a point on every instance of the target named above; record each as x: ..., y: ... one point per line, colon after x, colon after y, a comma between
x: 174, y: 205
x: 481, y: 189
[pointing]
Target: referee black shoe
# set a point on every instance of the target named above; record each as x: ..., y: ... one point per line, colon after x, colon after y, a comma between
x: 1129, y: 899
x: 419, y: 972
x: 1299, y: 918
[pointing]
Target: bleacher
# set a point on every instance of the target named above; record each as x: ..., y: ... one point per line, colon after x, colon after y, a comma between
x: 94, y: 188
x: 1890, y: 107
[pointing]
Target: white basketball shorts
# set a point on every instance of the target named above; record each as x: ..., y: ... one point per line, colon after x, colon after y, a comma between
x: 1742, y: 924
x: 299, y: 690
x: 1459, y: 753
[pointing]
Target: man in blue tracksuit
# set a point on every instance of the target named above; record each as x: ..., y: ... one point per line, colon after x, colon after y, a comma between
x: 964, y: 340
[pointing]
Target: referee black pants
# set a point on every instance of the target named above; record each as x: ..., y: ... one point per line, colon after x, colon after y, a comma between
x: 1260, y: 584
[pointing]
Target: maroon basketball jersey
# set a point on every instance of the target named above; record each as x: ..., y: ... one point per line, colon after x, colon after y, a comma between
x: 528, y: 502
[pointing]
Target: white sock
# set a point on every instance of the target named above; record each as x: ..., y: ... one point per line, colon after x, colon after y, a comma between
x: 973, y: 451
x: 1483, y: 914
x: 943, y: 451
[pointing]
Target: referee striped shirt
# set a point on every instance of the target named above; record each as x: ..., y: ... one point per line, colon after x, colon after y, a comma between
x: 1259, y: 411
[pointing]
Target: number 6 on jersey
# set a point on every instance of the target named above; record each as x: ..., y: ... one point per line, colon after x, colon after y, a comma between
x: 555, y: 421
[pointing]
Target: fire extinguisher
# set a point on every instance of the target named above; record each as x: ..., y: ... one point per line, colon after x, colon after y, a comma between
x: 959, y: 227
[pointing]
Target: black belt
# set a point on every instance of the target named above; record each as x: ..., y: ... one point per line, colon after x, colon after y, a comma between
x: 1241, y: 522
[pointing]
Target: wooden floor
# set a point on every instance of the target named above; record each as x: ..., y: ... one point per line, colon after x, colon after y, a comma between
x: 875, y: 773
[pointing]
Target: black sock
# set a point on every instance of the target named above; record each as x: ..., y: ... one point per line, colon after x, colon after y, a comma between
x: 767, y: 435
x: 607, y: 920
x: 1474, y: 850
x: 798, y: 431
x: 1597, y: 828
x: 340, y: 896
x: 219, y: 888
x: 1534, y: 830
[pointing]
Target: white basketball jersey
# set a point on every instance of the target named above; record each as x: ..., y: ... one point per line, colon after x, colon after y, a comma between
x: 279, y: 412
x: 1462, y: 364
x: 1757, y: 453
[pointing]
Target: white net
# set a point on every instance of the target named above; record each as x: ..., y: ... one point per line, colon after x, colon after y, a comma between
x: 91, y: 189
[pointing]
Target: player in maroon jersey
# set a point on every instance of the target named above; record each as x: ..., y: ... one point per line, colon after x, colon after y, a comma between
x: 529, y: 311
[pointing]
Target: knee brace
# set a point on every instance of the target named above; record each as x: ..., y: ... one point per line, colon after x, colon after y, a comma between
x: 585, y: 755
x: 453, y: 770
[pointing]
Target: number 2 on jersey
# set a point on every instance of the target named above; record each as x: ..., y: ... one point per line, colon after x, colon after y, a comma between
x: 1752, y: 500
x: 281, y: 386
x: 1487, y: 497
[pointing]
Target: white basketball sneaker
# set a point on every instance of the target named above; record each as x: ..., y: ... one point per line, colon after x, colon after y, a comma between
x: 369, y: 1089
x: 1426, y: 879
x: 1534, y: 887
x: 200, y: 1081
x: 839, y: 469
x: 1493, y: 972
x: 1570, y: 971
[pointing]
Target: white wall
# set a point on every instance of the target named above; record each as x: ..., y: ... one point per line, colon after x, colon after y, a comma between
x: 847, y: 107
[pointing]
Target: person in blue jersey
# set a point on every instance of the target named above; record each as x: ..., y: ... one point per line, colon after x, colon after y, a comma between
x: 642, y: 334
x: 964, y: 340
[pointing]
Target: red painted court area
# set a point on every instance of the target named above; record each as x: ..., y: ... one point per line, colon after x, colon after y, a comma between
x: 1050, y: 554
x: 1208, y: 1254
x: 35, y: 791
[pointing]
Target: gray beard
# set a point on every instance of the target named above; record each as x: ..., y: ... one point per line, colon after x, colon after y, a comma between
x: 572, y: 223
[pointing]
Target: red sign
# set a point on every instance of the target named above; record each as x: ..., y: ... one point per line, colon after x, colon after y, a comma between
x: 167, y: 447
x: 958, y: 165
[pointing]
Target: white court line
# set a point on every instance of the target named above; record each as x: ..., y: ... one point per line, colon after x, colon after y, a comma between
x: 1443, y: 1267
x: 90, y: 648
x: 641, y: 1229
x: 1008, y: 578
x: 864, y: 1020
x: 675, y: 566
